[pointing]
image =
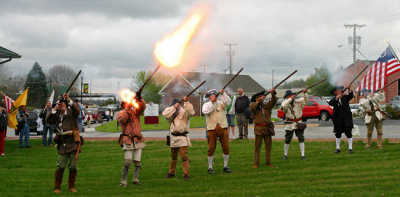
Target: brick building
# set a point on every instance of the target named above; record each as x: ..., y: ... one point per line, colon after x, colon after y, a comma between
x: 183, y: 83
x: 347, y: 75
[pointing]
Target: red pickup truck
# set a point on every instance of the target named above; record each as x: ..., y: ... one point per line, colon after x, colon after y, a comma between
x: 315, y: 108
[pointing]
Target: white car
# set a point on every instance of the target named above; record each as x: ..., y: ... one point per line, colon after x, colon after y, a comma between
x: 355, y: 108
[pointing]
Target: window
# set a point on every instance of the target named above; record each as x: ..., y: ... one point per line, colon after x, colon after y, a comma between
x: 310, y: 103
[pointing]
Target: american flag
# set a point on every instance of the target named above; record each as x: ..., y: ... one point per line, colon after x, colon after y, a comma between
x: 386, y: 65
x: 8, y: 102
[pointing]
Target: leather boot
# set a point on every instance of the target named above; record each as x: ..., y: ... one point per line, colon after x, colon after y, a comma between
x: 136, y: 173
x: 380, y: 141
x: 71, y: 179
x: 369, y: 139
x: 124, y: 174
x: 58, y: 176
x: 185, y: 165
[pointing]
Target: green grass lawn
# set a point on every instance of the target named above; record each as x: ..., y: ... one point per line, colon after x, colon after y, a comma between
x: 195, y: 122
x: 30, y: 172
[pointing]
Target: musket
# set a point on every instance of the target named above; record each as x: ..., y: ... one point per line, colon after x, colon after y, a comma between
x: 176, y: 112
x: 277, y: 85
x: 73, y: 81
x: 355, y: 78
x: 387, y: 85
x: 147, y: 80
x: 314, y: 84
x: 226, y: 85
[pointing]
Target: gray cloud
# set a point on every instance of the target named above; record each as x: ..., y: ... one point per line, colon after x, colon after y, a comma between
x: 112, y: 40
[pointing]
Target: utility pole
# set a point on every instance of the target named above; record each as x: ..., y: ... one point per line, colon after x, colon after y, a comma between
x: 230, y: 53
x: 354, y: 42
x: 272, y: 78
x: 81, y: 88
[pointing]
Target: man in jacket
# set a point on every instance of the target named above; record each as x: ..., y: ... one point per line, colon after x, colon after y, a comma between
x: 262, y: 130
x: 65, y: 116
x: 241, y: 105
x: 342, y: 117
x: 374, y: 114
x: 133, y: 140
x: 23, y: 127
x: 293, y: 109
x: 178, y: 118
x: 47, y: 126
x: 217, y: 126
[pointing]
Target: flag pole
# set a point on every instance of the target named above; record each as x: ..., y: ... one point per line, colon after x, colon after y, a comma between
x: 394, y: 53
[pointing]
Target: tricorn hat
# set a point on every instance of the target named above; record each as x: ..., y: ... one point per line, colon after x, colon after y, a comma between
x: 254, y: 97
x: 337, y: 88
x: 288, y: 93
x: 64, y: 101
x: 210, y: 92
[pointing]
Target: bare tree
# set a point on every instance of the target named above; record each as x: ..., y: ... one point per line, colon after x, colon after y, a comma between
x: 62, y: 76
x: 13, y: 86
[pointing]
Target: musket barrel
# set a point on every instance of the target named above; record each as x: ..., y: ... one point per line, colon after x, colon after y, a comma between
x: 314, y: 84
x: 365, y: 68
x: 148, y: 79
x: 387, y: 85
x: 73, y: 81
x: 226, y: 85
x: 277, y: 85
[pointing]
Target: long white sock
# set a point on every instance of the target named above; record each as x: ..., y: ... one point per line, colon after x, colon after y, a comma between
x: 210, y: 161
x: 286, y: 149
x: 302, y: 148
x: 350, y: 140
x: 226, y: 159
x: 338, y: 143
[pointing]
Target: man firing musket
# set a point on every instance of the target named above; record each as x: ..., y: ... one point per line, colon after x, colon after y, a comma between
x: 217, y: 124
x: 263, y: 127
x: 178, y: 118
x: 375, y: 115
x: 65, y: 117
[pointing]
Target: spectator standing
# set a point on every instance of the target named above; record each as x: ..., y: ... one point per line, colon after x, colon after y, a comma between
x: 3, y: 128
x: 89, y: 119
x: 107, y: 113
x: 242, y: 102
x: 230, y: 113
x: 23, y: 127
x: 47, y: 126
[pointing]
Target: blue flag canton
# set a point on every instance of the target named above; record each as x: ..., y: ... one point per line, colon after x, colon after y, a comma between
x: 386, y: 56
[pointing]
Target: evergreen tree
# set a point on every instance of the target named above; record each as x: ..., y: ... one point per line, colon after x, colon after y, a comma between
x: 38, y: 92
x: 324, y: 88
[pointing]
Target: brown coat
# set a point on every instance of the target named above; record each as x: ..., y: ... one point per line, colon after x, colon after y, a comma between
x: 130, y: 122
x: 66, y: 143
x: 255, y: 108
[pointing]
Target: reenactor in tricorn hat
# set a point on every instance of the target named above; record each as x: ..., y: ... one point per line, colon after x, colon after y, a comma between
x: 374, y: 116
x: 217, y: 126
x: 342, y: 117
x: 178, y: 118
x: 293, y: 109
x: 67, y: 138
x: 263, y: 127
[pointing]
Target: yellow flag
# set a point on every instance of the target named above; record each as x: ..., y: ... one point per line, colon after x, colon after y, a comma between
x: 21, y: 100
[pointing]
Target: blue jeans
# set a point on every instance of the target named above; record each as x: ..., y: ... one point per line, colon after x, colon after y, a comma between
x: 80, y: 127
x: 24, y: 131
x: 51, y: 130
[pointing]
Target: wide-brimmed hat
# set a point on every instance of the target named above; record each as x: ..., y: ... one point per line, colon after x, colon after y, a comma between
x: 337, y: 88
x: 288, y: 93
x: 211, y: 92
x: 175, y: 101
x: 365, y: 91
x: 254, y: 97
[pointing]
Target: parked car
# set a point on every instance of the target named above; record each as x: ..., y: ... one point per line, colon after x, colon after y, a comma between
x: 395, y: 100
x: 327, y: 98
x: 102, y: 112
x: 93, y: 112
x: 315, y: 108
x: 32, y: 122
x: 355, y: 107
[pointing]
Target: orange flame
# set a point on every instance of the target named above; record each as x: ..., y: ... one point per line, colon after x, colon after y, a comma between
x: 170, y: 50
x: 129, y: 97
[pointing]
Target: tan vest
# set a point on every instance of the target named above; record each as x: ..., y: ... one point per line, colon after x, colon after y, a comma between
x: 217, y: 116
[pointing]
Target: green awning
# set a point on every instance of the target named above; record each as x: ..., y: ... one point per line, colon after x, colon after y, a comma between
x: 5, y: 53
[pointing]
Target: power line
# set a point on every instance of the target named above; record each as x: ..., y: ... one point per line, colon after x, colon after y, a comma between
x: 354, y: 42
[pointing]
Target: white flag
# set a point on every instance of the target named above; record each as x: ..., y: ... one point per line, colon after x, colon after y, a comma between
x: 51, y: 98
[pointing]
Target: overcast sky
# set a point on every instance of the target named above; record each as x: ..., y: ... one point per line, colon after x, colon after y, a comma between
x: 112, y: 40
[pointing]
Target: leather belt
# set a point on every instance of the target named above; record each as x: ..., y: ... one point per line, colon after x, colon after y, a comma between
x: 293, y: 120
x: 260, y: 125
x: 179, y: 134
